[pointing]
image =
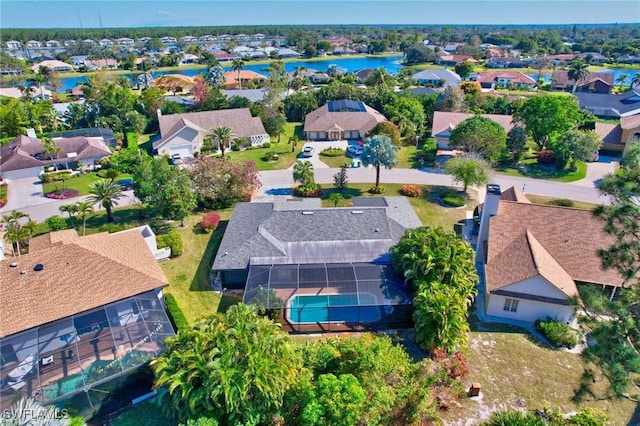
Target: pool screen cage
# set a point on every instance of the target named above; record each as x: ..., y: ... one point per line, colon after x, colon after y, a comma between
x: 330, y: 297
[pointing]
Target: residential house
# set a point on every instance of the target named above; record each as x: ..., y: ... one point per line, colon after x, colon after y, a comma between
x: 23, y: 157
x: 105, y: 42
x: 89, y: 42
x: 253, y: 95
x: 594, y: 82
x: 188, y: 39
x: 78, y: 312
x: 33, y: 44
x: 486, y: 46
x: 340, y: 50
x: 610, y: 106
x: 506, y: 62
x: 314, y: 76
x: 189, y: 58
x: 285, y: 52
x: 245, y: 76
x: 52, y: 43
x: 342, y: 119
x: 168, y: 40
x: 452, y: 47
x: 224, y: 56
x: 78, y: 60
x: 144, y: 40
x: 69, y: 43
x: 617, y: 138
x: 535, y: 256
x: 444, y: 123
x: 453, y: 60
x: 296, y: 249
x: 184, y: 134
x: 594, y: 57
x: 502, y: 79
x: 207, y: 37
x: 363, y: 74
x: 628, y: 59
x: 124, y: 41
x: 13, y: 44
x: 33, y: 92
x: 436, y: 78
x: 53, y: 65
x: 562, y: 59
x: 101, y: 64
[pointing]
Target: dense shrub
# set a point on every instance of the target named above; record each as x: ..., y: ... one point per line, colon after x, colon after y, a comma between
x: 62, y: 194
x: 235, y: 147
x: 266, y: 145
x: 427, y: 154
x: 309, y: 190
x: 56, y: 223
x: 56, y: 176
x: 178, y: 320
x: 270, y: 156
x: 332, y: 152
x: 173, y: 240
x: 562, y: 202
x: 557, y: 334
x: 411, y: 190
x: 210, y: 221
x: 376, y: 190
x: 452, y: 199
x: 546, y: 157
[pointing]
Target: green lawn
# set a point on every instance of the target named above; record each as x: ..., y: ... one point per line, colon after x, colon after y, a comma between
x: 287, y: 158
x: 82, y: 183
x: 3, y: 194
x: 532, y: 170
x: 541, y: 199
x: 405, y: 158
x: 426, y: 207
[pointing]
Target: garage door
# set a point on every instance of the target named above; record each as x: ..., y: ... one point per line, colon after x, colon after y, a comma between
x: 183, y: 150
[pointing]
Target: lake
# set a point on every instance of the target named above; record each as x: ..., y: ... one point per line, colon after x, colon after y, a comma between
x: 390, y: 63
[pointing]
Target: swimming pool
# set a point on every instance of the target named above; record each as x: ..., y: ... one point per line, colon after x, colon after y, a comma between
x: 334, y: 308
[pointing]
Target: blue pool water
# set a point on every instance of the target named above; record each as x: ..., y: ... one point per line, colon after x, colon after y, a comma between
x: 334, y: 308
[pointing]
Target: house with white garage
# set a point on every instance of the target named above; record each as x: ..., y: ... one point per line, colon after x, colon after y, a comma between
x: 341, y: 119
x: 436, y: 77
x: 535, y: 257
x: 444, y: 122
x: 183, y: 134
x: 23, y: 157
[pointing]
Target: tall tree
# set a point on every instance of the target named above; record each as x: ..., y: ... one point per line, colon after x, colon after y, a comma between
x: 621, y: 80
x: 71, y: 210
x: 333, y: 401
x: 105, y: 192
x: 234, y: 367
x: 15, y: 231
x: 635, y: 80
x: 378, y: 150
x: 468, y: 170
x: 238, y: 65
x: 576, y: 145
x: 516, y: 141
x: 84, y: 207
x: 482, y: 136
x: 215, y: 76
x: 578, y: 70
x: 223, y: 136
x: 303, y: 172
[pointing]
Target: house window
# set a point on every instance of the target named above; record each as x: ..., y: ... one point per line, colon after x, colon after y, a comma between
x: 510, y: 305
x: 636, y: 137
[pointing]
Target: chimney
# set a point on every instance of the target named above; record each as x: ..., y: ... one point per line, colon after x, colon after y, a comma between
x: 489, y: 209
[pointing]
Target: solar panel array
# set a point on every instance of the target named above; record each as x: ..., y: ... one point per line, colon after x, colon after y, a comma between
x: 346, y: 105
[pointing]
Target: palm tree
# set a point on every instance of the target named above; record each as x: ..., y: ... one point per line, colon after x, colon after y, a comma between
x: 379, y: 151
x: 293, y: 141
x: 223, y: 135
x: 15, y: 232
x: 50, y: 148
x: 237, y: 65
x: 71, y: 210
x: 303, y: 172
x: 578, y: 71
x: 83, y: 207
x: 621, y: 80
x: 635, y: 81
x: 106, y: 192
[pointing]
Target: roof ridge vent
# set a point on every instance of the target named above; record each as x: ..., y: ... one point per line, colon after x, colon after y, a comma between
x: 13, y: 264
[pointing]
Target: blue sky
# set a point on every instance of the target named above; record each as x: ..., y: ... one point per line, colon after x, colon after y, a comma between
x: 150, y: 13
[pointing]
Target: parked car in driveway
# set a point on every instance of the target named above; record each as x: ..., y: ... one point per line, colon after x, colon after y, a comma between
x: 125, y: 184
x: 307, y: 151
x: 355, y: 150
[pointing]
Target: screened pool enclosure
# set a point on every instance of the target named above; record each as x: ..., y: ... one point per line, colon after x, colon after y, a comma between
x: 330, y: 296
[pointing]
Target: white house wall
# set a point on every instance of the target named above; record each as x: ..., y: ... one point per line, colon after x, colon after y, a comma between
x: 185, y: 136
x: 536, y: 286
x: 528, y: 310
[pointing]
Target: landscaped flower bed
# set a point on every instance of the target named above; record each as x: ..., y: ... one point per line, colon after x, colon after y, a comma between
x: 62, y: 194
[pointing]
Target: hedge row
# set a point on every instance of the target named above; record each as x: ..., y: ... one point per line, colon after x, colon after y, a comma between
x: 177, y: 318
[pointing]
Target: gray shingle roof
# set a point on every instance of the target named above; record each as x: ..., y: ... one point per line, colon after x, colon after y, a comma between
x: 281, y: 233
x: 605, y: 105
x: 449, y: 76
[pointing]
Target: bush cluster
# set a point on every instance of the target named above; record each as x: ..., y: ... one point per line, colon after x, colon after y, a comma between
x: 55, y: 176
x: 56, y: 223
x: 411, y: 190
x: 308, y: 190
x: 557, y: 333
x: 452, y: 199
x: 62, y: 194
x: 562, y: 202
x: 428, y: 152
x: 546, y: 157
x: 270, y: 156
x: 376, y: 190
x: 178, y: 320
x: 173, y: 240
x: 266, y: 145
x: 210, y: 221
x: 332, y: 152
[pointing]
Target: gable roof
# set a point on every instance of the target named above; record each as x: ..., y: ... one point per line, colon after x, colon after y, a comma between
x: 561, y: 78
x: 607, y: 105
x: 231, y: 77
x: 609, y: 133
x: 443, y: 121
x: 513, y: 194
x: 304, y: 232
x: 239, y: 120
x: 571, y: 237
x: 437, y: 74
x: 79, y: 274
x: 24, y: 152
x: 630, y: 122
x: 494, y: 76
x: 345, y: 114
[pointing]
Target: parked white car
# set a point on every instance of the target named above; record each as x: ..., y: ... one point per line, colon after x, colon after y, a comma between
x: 307, y: 151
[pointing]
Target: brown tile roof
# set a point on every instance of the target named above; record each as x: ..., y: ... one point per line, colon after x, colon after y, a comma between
x: 231, y: 77
x: 239, y: 120
x: 561, y: 78
x: 609, y: 133
x: 630, y: 122
x: 513, y: 194
x: 443, y: 121
x: 79, y: 274
x: 321, y: 120
x: 515, y: 76
x: 52, y: 239
x: 24, y: 152
x: 571, y: 237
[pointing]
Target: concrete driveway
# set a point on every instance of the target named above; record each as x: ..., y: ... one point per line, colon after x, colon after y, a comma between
x: 24, y: 193
x: 597, y: 170
x: 317, y: 149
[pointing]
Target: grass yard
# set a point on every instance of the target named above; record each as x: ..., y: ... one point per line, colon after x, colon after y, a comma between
x: 532, y: 170
x: 287, y: 158
x: 541, y: 199
x: 82, y: 183
x: 406, y: 156
x: 143, y: 414
x: 3, y: 194
x: 516, y: 372
x: 427, y: 207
